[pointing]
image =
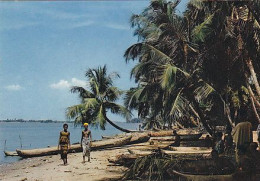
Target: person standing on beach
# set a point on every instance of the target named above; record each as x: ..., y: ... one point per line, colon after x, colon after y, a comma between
x: 242, y: 135
x: 86, y: 140
x: 64, y: 143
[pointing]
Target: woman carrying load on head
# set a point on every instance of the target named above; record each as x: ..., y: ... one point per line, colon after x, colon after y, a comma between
x: 64, y: 143
x: 86, y: 140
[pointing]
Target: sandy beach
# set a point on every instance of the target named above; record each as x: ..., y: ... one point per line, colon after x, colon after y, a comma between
x: 51, y: 168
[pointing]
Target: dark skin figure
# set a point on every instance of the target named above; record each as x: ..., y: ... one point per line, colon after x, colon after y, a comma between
x: 65, y: 127
x: 89, y: 137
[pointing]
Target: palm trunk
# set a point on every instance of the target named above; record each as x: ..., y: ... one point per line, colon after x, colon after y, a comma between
x: 253, y: 96
x: 201, y: 115
x: 254, y: 109
x: 117, y: 127
x: 253, y: 74
x: 227, y: 112
x: 180, y: 125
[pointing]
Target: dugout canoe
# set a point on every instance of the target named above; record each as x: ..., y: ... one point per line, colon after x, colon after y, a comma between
x: 222, y: 169
x: 10, y: 153
x: 136, y: 137
x: 139, y: 138
x: 191, y: 177
x: 184, y: 137
x: 190, y: 137
x: 96, y: 145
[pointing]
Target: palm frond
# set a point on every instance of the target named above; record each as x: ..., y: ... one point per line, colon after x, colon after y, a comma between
x: 83, y: 93
x: 118, y: 109
x: 203, y: 30
x: 90, y: 103
x: 74, y: 111
x: 168, y: 77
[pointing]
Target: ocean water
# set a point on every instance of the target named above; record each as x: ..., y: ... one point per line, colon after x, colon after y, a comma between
x: 39, y: 135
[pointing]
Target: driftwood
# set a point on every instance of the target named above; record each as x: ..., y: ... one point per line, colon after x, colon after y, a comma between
x: 96, y: 145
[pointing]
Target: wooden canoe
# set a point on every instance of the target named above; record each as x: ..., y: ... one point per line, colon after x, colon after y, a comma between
x: 236, y: 176
x: 222, y: 169
x: 190, y: 177
x: 136, y: 137
x: 161, y: 133
x: 190, y: 137
x: 184, y: 136
x: 114, y: 136
x: 10, y: 153
x: 139, y: 138
x: 96, y: 145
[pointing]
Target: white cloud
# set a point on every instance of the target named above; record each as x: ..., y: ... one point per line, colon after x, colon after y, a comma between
x: 14, y: 87
x: 62, y: 84
x: 77, y: 82
x: 65, y: 84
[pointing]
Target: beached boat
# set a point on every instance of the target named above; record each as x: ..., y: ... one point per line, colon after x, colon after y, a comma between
x: 160, y: 133
x: 184, y: 134
x: 184, y: 137
x: 222, y: 169
x: 10, y: 153
x: 139, y: 137
x: 96, y: 145
x: 190, y: 137
x: 190, y: 177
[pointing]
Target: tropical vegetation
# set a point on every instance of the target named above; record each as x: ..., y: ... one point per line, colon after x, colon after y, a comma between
x: 199, y: 68
x: 201, y: 64
x: 99, y: 99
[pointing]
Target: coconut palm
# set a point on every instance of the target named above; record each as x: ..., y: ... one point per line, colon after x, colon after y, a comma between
x: 230, y: 30
x: 98, y: 100
x: 165, y: 65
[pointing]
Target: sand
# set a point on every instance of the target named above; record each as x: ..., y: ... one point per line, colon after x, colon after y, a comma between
x: 51, y: 168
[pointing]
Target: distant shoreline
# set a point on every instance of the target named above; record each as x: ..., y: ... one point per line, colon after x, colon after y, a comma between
x: 46, y: 121
x: 34, y: 121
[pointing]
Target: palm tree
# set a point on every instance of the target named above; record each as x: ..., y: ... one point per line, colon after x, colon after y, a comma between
x: 165, y: 66
x: 229, y: 29
x: 98, y: 100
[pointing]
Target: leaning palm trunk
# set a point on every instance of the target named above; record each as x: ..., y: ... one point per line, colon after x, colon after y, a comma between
x: 254, y: 109
x: 116, y: 126
x: 253, y: 96
x: 202, y: 117
x: 253, y: 74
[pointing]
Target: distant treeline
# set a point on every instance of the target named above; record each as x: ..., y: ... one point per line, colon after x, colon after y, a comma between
x: 38, y: 121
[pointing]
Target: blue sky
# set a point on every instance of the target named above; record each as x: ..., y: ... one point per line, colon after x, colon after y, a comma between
x: 46, y: 47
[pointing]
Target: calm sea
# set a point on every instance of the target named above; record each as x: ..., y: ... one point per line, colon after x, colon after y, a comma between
x: 40, y: 135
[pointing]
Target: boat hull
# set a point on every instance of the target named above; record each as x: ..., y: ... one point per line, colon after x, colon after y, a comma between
x: 96, y: 145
